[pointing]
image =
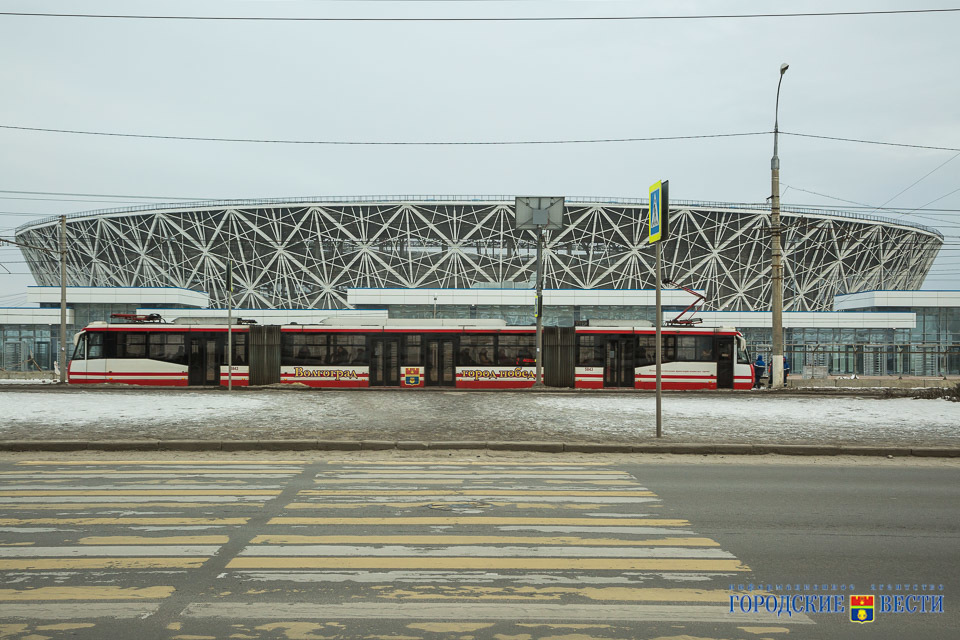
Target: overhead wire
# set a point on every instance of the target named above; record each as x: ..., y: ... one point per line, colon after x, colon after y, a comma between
x: 149, y: 136
x: 728, y: 16
x: 97, y: 195
x: 382, y: 142
x: 863, y: 141
x: 918, y: 181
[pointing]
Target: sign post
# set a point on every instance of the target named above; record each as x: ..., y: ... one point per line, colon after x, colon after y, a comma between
x: 537, y: 215
x: 659, y: 209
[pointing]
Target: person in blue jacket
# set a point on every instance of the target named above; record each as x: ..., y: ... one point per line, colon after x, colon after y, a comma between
x: 786, y: 369
x: 758, y: 368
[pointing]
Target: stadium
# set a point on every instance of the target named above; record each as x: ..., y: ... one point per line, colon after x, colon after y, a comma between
x: 306, y: 253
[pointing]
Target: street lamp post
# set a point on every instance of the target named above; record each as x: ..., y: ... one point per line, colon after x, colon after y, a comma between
x: 62, y: 355
x: 776, y: 359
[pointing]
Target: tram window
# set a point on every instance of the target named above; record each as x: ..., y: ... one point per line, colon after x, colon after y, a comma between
x: 526, y: 350
x: 168, y: 347
x: 743, y: 356
x: 239, y: 349
x: 131, y: 345
x: 686, y: 348
x: 477, y: 350
x: 514, y: 350
x: 726, y: 350
x: 94, y: 346
x: 705, y: 350
x: 508, y: 348
x: 589, y: 351
x: 304, y: 348
x: 412, y: 355
x: 348, y: 349
x: 669, y: 350
x: 695, y: 349
x: 646, y: 350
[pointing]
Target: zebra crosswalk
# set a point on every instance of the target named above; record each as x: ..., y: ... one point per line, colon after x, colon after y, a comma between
x: 354, y: 548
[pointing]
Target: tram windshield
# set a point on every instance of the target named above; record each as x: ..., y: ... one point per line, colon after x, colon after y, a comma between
x: 80, y: 346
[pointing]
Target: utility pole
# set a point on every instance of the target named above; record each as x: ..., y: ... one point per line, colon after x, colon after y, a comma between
x: 229, y: 325
x: 538, y: 382
x: 776, y: 358
x: 62, y: 356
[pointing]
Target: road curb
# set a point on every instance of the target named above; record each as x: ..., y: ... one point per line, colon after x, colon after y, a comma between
x: 189, y: 445
x: 679, y: 448
x: 935, y: 452
x: 124, y: 445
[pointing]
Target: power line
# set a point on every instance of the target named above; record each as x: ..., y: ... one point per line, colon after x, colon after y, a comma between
x: 45, y: 215
x: 461, y: 142
x: 899, y: 211
x: 383, y: 142
x: 60, y: 200
x: 934, y: 200
x: 97, y: 195
x: 817, y: 14
x: 918, y: 181
x: 888, y: 144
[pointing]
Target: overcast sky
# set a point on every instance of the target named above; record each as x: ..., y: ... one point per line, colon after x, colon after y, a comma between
x: 889, y: 78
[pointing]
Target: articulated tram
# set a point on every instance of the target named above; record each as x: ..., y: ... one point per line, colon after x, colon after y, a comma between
x: 475, y: 354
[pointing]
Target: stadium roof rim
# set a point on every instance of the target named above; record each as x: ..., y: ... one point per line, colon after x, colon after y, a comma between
x: 733, y: 206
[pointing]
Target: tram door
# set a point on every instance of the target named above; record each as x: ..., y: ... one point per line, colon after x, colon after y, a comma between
x: 725, y: 359
x: 384, y: 362
x: 619, y: 362
x: 440, y: 366
x: 206, y: 352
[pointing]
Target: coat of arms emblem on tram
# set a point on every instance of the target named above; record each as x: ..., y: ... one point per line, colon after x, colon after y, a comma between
x: 411, y: 376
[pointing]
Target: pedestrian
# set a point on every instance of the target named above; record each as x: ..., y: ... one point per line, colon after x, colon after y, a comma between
x: 758, y: 368
x: 786, y: 370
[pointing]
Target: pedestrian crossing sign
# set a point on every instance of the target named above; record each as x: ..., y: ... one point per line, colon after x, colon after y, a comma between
x: 659, y: 208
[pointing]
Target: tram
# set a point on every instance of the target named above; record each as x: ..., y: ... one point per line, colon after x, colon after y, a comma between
x: 474, y: 354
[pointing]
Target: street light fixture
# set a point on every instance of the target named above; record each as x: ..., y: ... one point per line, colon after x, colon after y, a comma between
x: 776, y: 359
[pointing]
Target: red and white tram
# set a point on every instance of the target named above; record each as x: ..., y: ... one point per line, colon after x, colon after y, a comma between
x: 692, y: 358
x: 407, y: 354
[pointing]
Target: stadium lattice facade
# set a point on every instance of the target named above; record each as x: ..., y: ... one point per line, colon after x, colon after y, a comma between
x: 307, y: 253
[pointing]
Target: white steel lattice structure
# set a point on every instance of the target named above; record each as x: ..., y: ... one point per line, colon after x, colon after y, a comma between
x: 307, y: 253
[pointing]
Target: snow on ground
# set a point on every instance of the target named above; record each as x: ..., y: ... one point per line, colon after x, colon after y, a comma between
x: 461, y: 415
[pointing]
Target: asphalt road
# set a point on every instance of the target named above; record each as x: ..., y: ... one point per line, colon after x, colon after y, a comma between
x: 468, y: 546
